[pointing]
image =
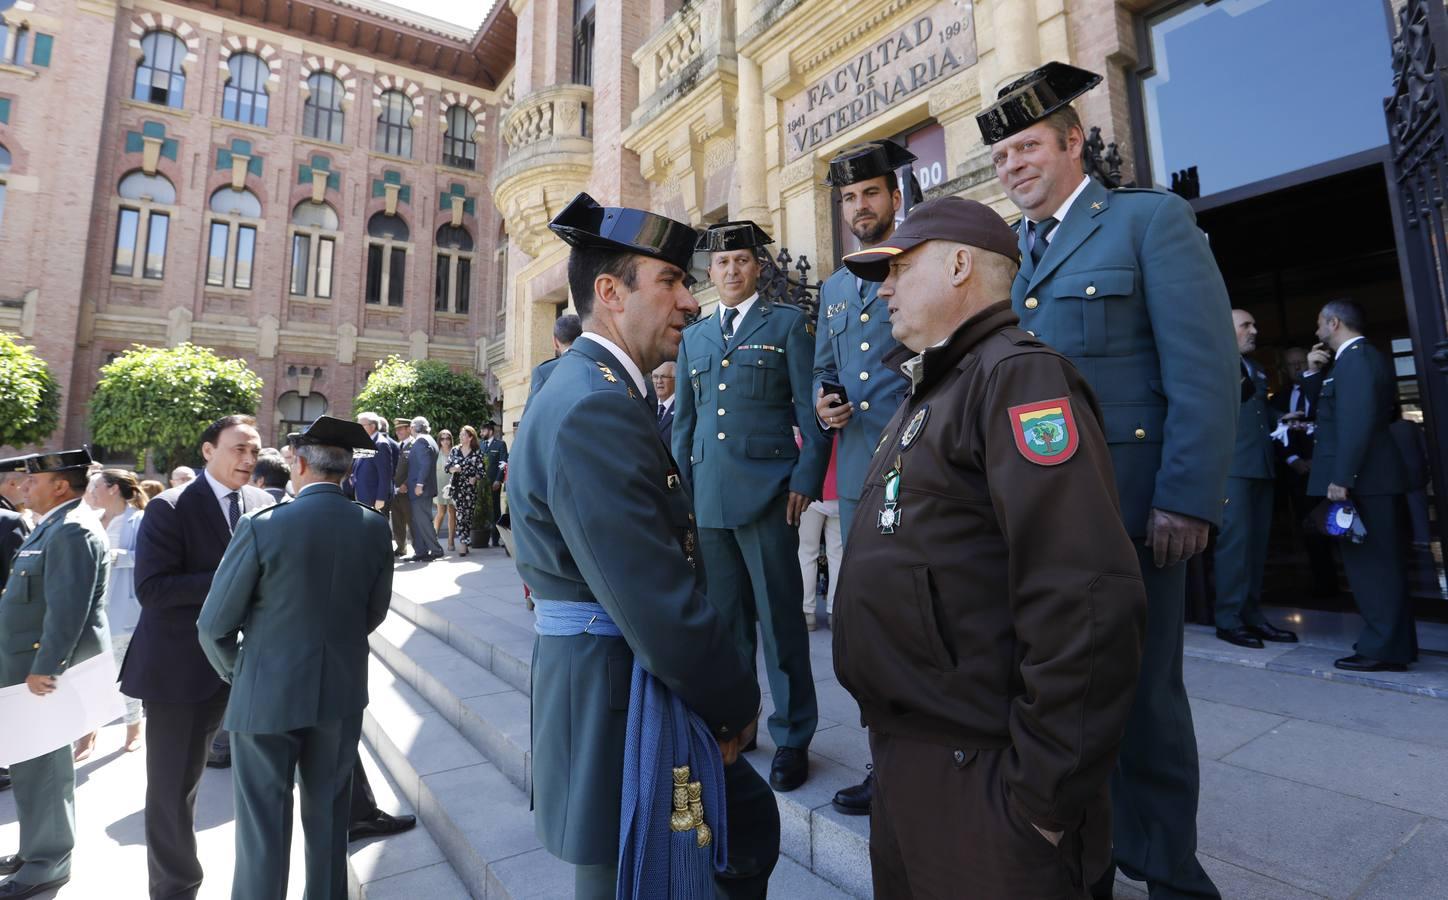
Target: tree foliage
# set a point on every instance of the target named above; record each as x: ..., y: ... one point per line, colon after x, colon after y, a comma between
x: 29, y: 395
x: 428, y: 388
x: 162, y: 398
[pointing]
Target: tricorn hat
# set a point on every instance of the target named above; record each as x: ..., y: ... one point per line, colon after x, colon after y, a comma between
x: 59, y: 461
x: 584, y: 223
x: 742, y: 235
x: 943, y: 219
x: 332, y: 432
x: 1033, y: 97
x: 862, y: 162
x: 12, y: 464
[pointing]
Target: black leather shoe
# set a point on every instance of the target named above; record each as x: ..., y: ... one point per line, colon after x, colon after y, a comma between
x: 218, y: 761
x: 790, y: 769
x: 855, y: 799
x: 1359, y: 663
x: 9, y: 865
x: 1269, y: 632
x: 1242, y: 636
x: 15, y: 890
x: 380, y: 824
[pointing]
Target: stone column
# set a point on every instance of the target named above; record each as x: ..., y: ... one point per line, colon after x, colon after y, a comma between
x: 1017, y: 44
x: 749, y: 149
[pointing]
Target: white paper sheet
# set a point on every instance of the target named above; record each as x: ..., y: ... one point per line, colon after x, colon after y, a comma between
x: 85, y: 698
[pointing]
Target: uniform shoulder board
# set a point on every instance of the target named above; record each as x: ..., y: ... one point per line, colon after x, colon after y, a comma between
x: 1140, y: 190
x: 267, y: 510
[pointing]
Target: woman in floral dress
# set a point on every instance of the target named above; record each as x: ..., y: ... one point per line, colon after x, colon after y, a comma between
x: 467, y: 464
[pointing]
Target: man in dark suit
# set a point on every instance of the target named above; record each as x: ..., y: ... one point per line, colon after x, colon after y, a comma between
x: 181, y: 541
x: 272, y: 474
x: 1122, y: 282
x: 372, y: 475
x: 1241, y: 550
x: 401, y: 508
x: 565, y: 331
x: 1355, y: 460
x: 304, y: 583
x: 663, y: 381
x: 421, y: 487
x: 589, y: 458
x: 1296, y: 408
x: 496, y: 451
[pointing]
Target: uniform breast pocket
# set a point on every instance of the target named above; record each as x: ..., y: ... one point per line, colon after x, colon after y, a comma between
x: 1101, y: 295
x: 699, y: 368
x: 769, y: 376
x: 24, y: 578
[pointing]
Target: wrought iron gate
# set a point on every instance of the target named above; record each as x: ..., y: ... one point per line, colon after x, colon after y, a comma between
x: 1417, y: 169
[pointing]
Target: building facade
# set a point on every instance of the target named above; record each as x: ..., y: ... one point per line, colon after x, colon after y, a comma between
x: 304, y: 186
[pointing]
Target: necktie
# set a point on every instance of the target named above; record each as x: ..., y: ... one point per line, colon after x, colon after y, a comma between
x: 661, y: 412
x: 233, y: 514
x: 730, y: 314
x: 1040, y: 237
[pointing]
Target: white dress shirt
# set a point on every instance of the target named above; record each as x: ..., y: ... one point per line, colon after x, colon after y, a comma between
x: 223, y: 497
x: 630, y: 367
x: 744, y: 306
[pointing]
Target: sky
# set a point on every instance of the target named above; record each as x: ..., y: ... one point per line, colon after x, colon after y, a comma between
x: 467, y: 13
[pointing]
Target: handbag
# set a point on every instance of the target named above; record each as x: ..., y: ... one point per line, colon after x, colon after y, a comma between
x: 1336, y: 519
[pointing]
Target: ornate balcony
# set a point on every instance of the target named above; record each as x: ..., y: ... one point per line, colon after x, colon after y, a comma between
x: 686, y: 50
x: 550, y: 157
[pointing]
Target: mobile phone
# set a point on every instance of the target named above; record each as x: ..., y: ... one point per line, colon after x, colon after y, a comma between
x: 830, y: 387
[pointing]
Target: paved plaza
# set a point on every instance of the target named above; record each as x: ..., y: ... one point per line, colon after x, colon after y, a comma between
x: 1311, y: 786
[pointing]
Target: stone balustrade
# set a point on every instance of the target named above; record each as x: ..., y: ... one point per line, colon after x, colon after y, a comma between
x: 549, y: 160
x: 559, y: 111
x: 667, y: 60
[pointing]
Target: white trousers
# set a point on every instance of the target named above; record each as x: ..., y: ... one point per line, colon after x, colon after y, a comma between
x: 820, y: 518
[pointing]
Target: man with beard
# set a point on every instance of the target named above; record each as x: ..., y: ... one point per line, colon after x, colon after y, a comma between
x: 852, y: 338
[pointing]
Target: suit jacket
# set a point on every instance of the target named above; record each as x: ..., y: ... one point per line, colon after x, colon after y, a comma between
x: 540, y: 376
x: 372, y: 475
x: 52, y: 611
x: 12, y: 533
x: 496, y: 451
x: 399, y: 461
x: 589, y: 463
x: 1252, y: 455
x: 183, y: 536
x: 1355, y: 448
x: 1129, y: 292
x: 666, y: 424
x: 734, y: 419
x: 422, y: 466
x: 303, y: 583
x: 852, y: 338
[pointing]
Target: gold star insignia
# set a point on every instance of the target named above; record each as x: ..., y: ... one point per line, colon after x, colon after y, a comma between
x: 607, y: 374
x: 1096, y: 204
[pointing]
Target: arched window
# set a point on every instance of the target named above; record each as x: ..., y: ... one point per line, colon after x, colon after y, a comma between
x: 452, y: 289
x: 394, y: 126
x: 314, y: 247
x: 386, y: 259
x: 298, y: 412
x: 458, y: 147
x: 322, y: 115
x: 142, y: 225
x: 159, y: 76
x: 244, y: 99
x: 231, y: 241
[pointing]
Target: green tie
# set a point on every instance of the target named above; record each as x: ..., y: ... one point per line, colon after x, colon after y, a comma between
x: 1040, y: 236
x: 730, y: 314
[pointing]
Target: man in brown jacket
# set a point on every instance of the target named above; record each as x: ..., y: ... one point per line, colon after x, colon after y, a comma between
x: 990, y: 608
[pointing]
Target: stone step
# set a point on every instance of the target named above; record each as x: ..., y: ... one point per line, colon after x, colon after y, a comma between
x: 477, y: 816
x: 496, y: 635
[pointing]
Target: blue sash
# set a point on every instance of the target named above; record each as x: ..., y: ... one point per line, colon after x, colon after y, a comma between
x: 672, y: 828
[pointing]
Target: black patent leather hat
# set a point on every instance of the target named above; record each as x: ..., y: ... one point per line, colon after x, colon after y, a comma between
x: 741, y: 235
x: 862, y: 162
x: 584, y: 223
x: 1033, y: 97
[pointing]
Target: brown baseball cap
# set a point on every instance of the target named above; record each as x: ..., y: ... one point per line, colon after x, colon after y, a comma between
x: 943, y: 219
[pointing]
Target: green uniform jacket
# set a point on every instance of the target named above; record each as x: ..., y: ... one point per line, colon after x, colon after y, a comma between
x: 52, y: 613
x: 734, y: 420
x: 1354, y: 448
x: 1129, y: 292
x: 1252, y: 456
x: 304, y: 582
x: 599, y: 514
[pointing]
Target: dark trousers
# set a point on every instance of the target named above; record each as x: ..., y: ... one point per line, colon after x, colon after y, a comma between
x: 424, y: 535
x: 752, y: 575
x: 1154, y: 788
x: 929, y: 798
x: 1319, y: 548
x: 320, y: 759
x: 400, y: 511
x: 1241, y: 552
x: 363, y: 804
x: 494, y: 511
x: 753, y: 843
x: 45, y: 807
x: 1375, y: 571
x: 178, y: 739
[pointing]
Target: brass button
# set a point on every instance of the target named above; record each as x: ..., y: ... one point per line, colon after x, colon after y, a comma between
x: 864, y: 345
x: 759, y: 362
x: 1091, y: 290
x: 35, y: 646
x: 1141, y: 434
x: 693, y: 371
x: 721, y: 412
x: 864, y: 376
x: 725, y: 364
x: 864, y: 317
x: 1032, y: 303
x: 864, y: 406
x: 723, y: 387
x: 721, y: 435
x: 1031, y: 333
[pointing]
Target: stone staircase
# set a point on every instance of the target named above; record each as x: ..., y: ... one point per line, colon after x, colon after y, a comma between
x: 449, y: 724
